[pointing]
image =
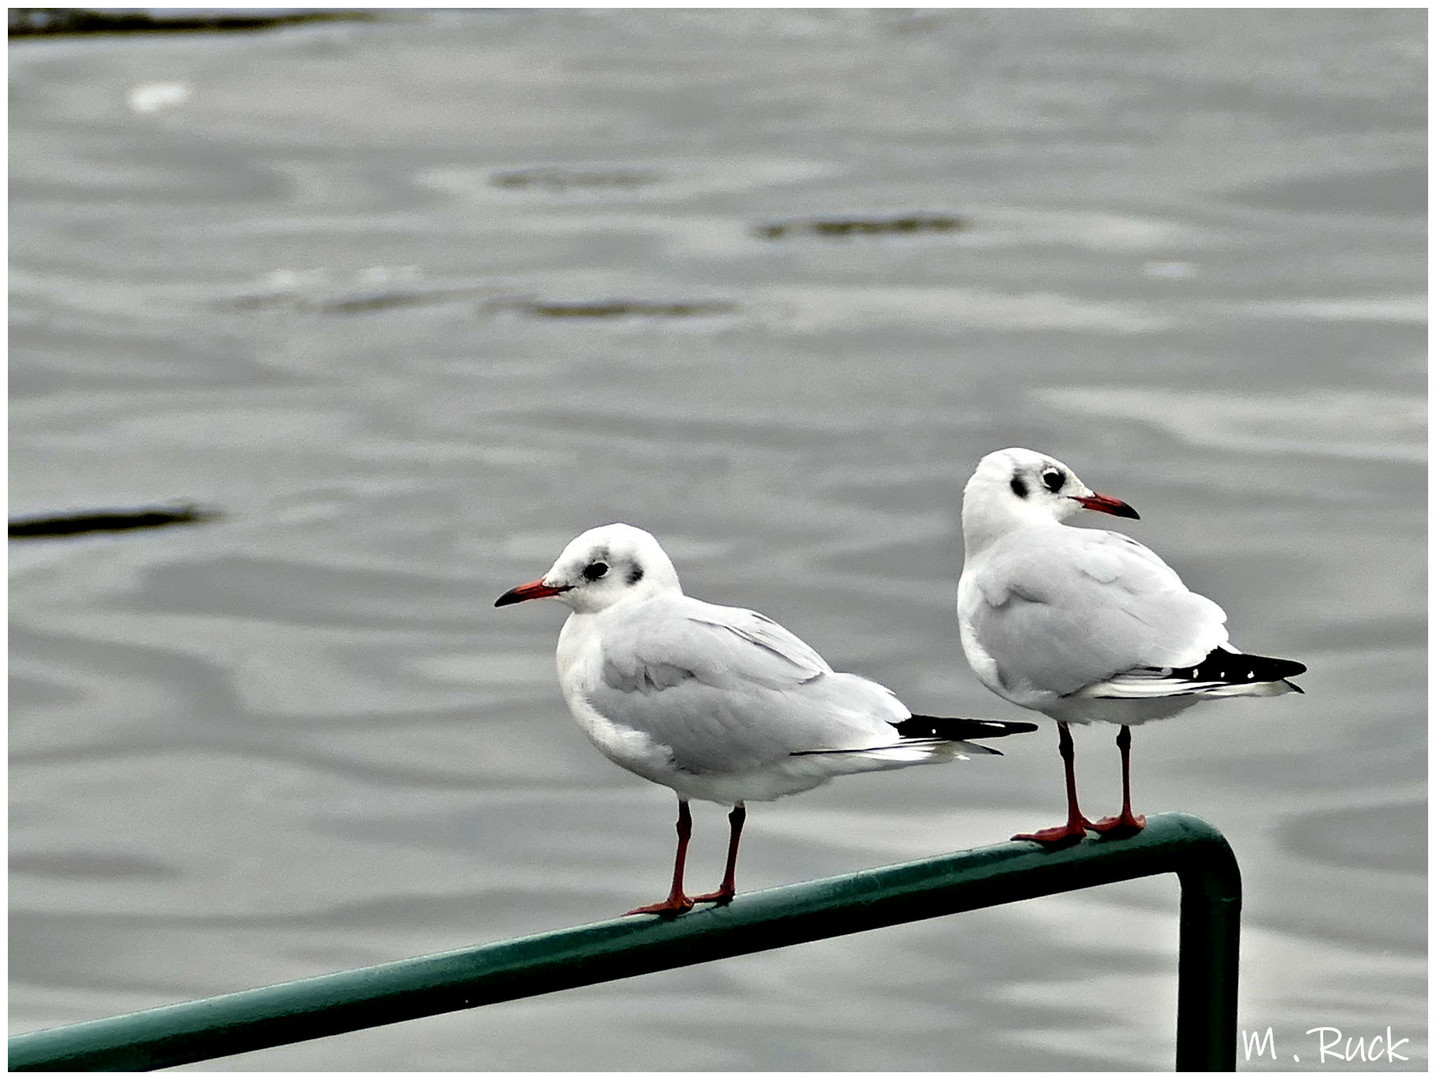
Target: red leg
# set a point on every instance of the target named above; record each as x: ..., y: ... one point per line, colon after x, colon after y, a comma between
x: 1124, y: 824
x: 726, y: 890
x: 677, y: 903
x: 1077, y: 825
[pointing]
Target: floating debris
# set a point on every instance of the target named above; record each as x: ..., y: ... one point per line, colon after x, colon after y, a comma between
x: 33, y: 22
x: 908, y: 223
x: 108, y: 521
x: 556, y: 179
x: 613, y: 309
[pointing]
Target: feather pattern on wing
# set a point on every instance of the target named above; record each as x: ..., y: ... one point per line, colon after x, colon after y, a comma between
x: 726, y: 689
x: 1065, y: 608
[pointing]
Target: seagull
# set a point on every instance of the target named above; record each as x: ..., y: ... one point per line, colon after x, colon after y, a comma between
x: 717, y: 703
x: 1086, y: 625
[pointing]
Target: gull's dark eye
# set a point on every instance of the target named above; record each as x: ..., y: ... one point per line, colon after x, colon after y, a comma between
x: 595, y: 570
x: 1054, y: 479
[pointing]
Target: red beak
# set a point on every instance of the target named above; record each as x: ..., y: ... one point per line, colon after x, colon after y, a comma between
x: 1106, y: 505
x: 534, y: 590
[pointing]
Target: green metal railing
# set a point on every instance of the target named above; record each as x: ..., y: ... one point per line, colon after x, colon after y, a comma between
x: 964, y: 881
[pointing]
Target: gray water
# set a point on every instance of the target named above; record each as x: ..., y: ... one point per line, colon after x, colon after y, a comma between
x: 360, y: 288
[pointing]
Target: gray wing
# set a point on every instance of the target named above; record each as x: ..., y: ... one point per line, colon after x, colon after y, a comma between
x: 1057, y: 610
x: 726, y: 689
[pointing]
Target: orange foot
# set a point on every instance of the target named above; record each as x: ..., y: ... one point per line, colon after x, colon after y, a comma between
x: 722, y: 896
x: 1123, y: 825
x: 676, y: 904
x: 1060, y: 835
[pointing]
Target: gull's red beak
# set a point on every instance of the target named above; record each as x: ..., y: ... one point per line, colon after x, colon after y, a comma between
x: 534, y: 590
x: 1106, y: 504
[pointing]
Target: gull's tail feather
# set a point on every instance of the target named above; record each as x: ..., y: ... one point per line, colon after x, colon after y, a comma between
x: 907, y: 752
x: 928, y: 739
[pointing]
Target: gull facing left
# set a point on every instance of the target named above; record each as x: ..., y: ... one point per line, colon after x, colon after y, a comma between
x: 717, y: 703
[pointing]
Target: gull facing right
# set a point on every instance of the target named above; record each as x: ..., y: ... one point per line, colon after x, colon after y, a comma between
x: 1086, y: 625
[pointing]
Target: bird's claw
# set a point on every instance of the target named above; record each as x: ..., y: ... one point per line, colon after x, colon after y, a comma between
x: 1060, y: 835
x: 673, y: 906
x: 1122, y: 825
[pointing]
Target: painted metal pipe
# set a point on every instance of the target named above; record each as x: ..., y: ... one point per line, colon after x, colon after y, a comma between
x: 964, y: 881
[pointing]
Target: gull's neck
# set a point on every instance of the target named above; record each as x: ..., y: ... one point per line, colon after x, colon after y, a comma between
x: 982, y: 529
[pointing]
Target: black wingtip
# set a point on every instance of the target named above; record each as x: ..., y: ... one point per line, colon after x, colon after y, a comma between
x: 1282, y: 669
x: 1273, y: 666
x: 960, y: 728
x: 1237, y: 668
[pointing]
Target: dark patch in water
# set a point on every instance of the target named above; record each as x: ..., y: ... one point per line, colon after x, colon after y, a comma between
x: 46, y: 22
x: 551, y: 179
x: 841, y: 227
x: 346, y: 305
x: 614, y: 309
x: 353, y: 304
x: 108, y: 521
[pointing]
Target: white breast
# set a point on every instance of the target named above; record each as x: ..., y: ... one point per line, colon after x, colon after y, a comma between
x: 580, y: 663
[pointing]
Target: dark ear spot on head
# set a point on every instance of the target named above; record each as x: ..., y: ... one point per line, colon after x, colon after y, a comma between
x: 635, y: 575
x: 1019, y: 488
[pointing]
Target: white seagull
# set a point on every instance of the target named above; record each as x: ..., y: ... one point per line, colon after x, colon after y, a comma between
x: 1084, y: 624
x: 717, y: 703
